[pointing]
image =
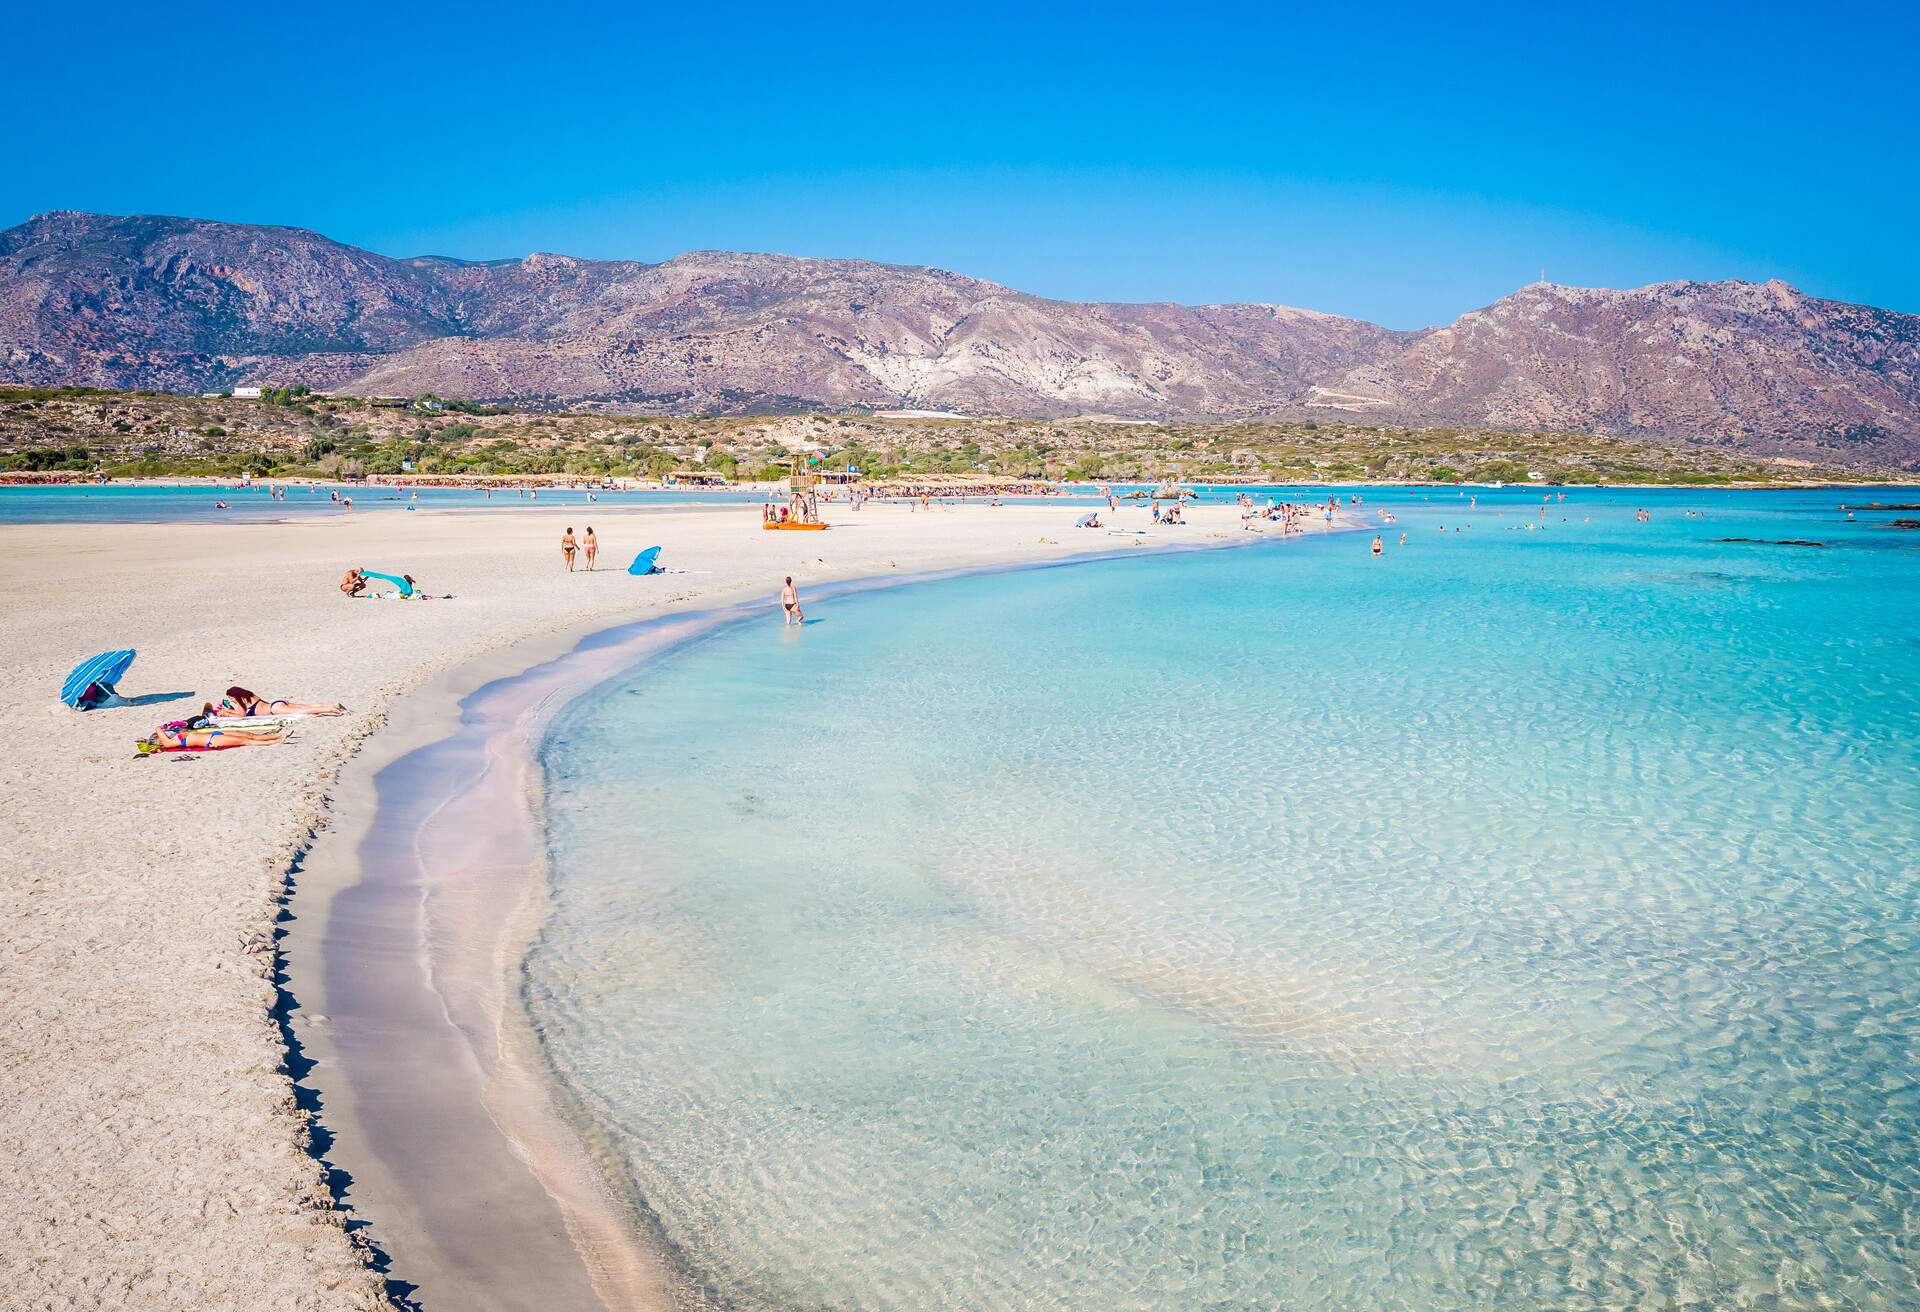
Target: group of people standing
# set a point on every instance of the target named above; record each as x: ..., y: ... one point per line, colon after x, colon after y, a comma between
x: 570, y: 545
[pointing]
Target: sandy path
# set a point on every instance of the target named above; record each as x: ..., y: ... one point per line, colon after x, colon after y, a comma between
x: 150, y: 1150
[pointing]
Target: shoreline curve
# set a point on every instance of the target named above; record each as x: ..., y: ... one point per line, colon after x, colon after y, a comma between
x: 468, y: 1161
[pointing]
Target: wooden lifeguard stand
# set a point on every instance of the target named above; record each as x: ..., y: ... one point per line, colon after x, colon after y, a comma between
x: 803, y: 501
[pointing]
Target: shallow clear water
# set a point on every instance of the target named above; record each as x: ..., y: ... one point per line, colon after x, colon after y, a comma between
x: 74, y: 503
x: 71, y: 503
x: 1526, y: 919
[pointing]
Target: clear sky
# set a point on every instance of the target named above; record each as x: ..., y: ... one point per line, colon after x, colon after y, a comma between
x: 1403, y: 164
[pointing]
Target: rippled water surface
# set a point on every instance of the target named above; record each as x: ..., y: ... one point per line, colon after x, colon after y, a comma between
x: 1526, y: 919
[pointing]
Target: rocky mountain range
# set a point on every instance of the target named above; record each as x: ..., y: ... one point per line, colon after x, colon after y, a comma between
x: 188, y: 305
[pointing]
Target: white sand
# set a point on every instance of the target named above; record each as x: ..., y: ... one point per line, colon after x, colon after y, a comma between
x: 150, y: 1151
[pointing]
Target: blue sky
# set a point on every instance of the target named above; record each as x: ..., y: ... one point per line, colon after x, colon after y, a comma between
x: 1403, y: 164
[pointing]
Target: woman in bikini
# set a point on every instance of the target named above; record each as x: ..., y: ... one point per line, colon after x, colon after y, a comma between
x: 591, y: 545
x: 181, y: 736
x: 790, y: 604
x: 240, y: 701
x: 568, y: 546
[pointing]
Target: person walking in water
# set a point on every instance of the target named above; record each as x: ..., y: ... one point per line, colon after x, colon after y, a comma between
x: 568, y: 545
x: 790, y: 604
x: 591, y: 545
x: 1378, y: 545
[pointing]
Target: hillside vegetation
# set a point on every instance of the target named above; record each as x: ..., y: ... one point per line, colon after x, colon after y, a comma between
x: 292, y: 432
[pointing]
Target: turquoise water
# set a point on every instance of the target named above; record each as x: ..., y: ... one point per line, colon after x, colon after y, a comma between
x: 164, y: 503
x: 71, y: 503
x: 1526, y: 919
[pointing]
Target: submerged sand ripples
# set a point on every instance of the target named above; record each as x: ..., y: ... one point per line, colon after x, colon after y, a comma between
x: 1512, y: 927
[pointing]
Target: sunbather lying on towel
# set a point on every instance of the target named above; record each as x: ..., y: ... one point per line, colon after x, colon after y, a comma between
x: 240, y: 701
x: 181, y: 736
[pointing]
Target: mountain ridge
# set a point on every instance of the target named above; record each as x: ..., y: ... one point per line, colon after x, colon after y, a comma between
x: 181, y: 304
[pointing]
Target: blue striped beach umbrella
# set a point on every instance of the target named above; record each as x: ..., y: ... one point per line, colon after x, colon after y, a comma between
x: 104, y: 669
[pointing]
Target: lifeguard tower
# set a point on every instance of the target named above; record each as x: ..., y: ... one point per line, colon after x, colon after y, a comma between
x: 803, y: 501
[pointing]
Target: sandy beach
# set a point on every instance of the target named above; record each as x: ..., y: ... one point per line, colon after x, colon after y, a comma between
x: 149, y: 1134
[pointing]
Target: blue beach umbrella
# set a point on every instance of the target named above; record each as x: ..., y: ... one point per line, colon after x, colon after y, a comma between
x: 643, y: 563
x: 399, y: 581
x: 104, y: 670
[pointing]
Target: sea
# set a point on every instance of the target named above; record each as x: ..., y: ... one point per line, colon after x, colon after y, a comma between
x: 167, y: 503
x: 162, y: 503
x: 1526, y: 917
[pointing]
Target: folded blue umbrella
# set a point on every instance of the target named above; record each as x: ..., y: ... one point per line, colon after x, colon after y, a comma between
x: 100, y: 672
x: 398, y: 581
x: 643, y: 563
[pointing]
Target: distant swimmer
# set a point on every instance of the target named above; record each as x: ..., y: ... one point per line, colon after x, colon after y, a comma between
x: 1403, y: 540
x: 1378, y: 545
x: 790, y: 604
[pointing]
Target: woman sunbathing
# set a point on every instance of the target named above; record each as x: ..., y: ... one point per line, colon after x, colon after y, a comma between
x: 180, y: 736
x: 239, y: 701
